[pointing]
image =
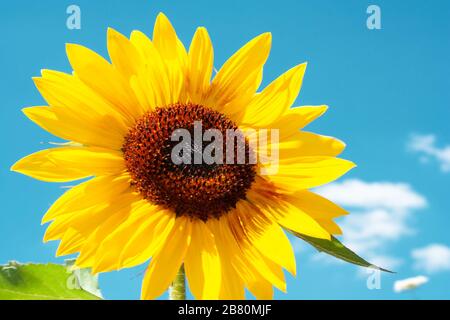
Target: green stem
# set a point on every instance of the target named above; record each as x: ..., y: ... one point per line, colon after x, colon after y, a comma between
x: 177, y: 290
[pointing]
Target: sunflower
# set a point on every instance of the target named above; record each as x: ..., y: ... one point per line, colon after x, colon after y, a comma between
x: 225, y: 223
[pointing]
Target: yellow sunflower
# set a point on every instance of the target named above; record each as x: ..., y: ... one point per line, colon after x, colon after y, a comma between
x: 224, y: 222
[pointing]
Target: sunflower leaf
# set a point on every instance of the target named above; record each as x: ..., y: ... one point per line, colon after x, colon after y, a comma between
x: 43, y: 282
x: 336, y: 249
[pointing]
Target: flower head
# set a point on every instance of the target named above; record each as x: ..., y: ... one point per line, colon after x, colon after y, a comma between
x: 129, y: 126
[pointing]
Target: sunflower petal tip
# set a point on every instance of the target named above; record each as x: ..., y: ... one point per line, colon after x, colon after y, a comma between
x: 13, y: 168
x: 17, y: 166
x: 301, y: 67
x: 71, y: 48
x: 111, y: 32
x: 28, y: 111
x: 267, y: 36
x: 161, y: 15
x: 202, y: 30
x: 59, y: 252
x: 46, y: 218
x: 292, y: 271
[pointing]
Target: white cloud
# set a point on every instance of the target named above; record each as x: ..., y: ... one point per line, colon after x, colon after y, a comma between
x: 410, y: 283
x: 373, y: 195
x: 380, y: 214
x: 432, y: 258
x: 425, y: 145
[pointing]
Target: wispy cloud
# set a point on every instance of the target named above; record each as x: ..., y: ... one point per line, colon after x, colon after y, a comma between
x: 380, y: 213
x: 373, y: 195
x: 409, y: 283
x: 425, y: 145
x: 432, y: 258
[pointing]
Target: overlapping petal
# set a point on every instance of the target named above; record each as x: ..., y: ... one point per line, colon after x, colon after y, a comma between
x: 274, y: 101
x: 70, y: 163
x: 105, y: 79
x: 237, y: 81
x: 200, y: 66
x: 166, y: 262
x: 202, y: 263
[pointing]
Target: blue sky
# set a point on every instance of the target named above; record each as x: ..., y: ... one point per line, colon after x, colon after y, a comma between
x: 389, y: 101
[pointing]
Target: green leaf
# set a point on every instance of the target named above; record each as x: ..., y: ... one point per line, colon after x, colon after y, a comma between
x: 336, y: 249
x: 43, y: 282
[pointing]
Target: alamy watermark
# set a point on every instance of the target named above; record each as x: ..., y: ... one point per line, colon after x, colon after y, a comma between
x: 373, y: 21
x: 374, y: 278
x: 73, y: 21
x: 234, y: 146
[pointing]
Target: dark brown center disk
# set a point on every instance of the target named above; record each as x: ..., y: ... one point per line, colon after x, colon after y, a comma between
x: 200, y: 191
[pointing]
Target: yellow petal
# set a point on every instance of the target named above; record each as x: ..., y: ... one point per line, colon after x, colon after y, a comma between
x: 304, y: 144
x: 275, y: 100
x: 110, y: 253
x: 86, y: 221
x: 173, y: 53
x: 294, y: 119
x: 282, y: 209
x: 69, y: 163
x: 320, y: 209
x: 310, y: 172
x: 87, y: 194
x: 123, y: 54
x: 166, y: 40
x: 200, y: 66
x: 278, y: 272
x: 252, y: 263
x: 152, y: 83
x: 166, y: 262
x: 331, y: 226
x: 269, y: 239
x: 117, y: 215
x: 240, y: 76
x: 106, y: 80
x: 261, y: 289
x: 202, y: 263
x: 314, y: 205
x: 301, y: 116
x: 71, y: 126
x: 147, y: 239
x: 71, y: 242
x: 248, y: 263
x: 71, y: 95
x: 232, y: 285
x: 294, y: 219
